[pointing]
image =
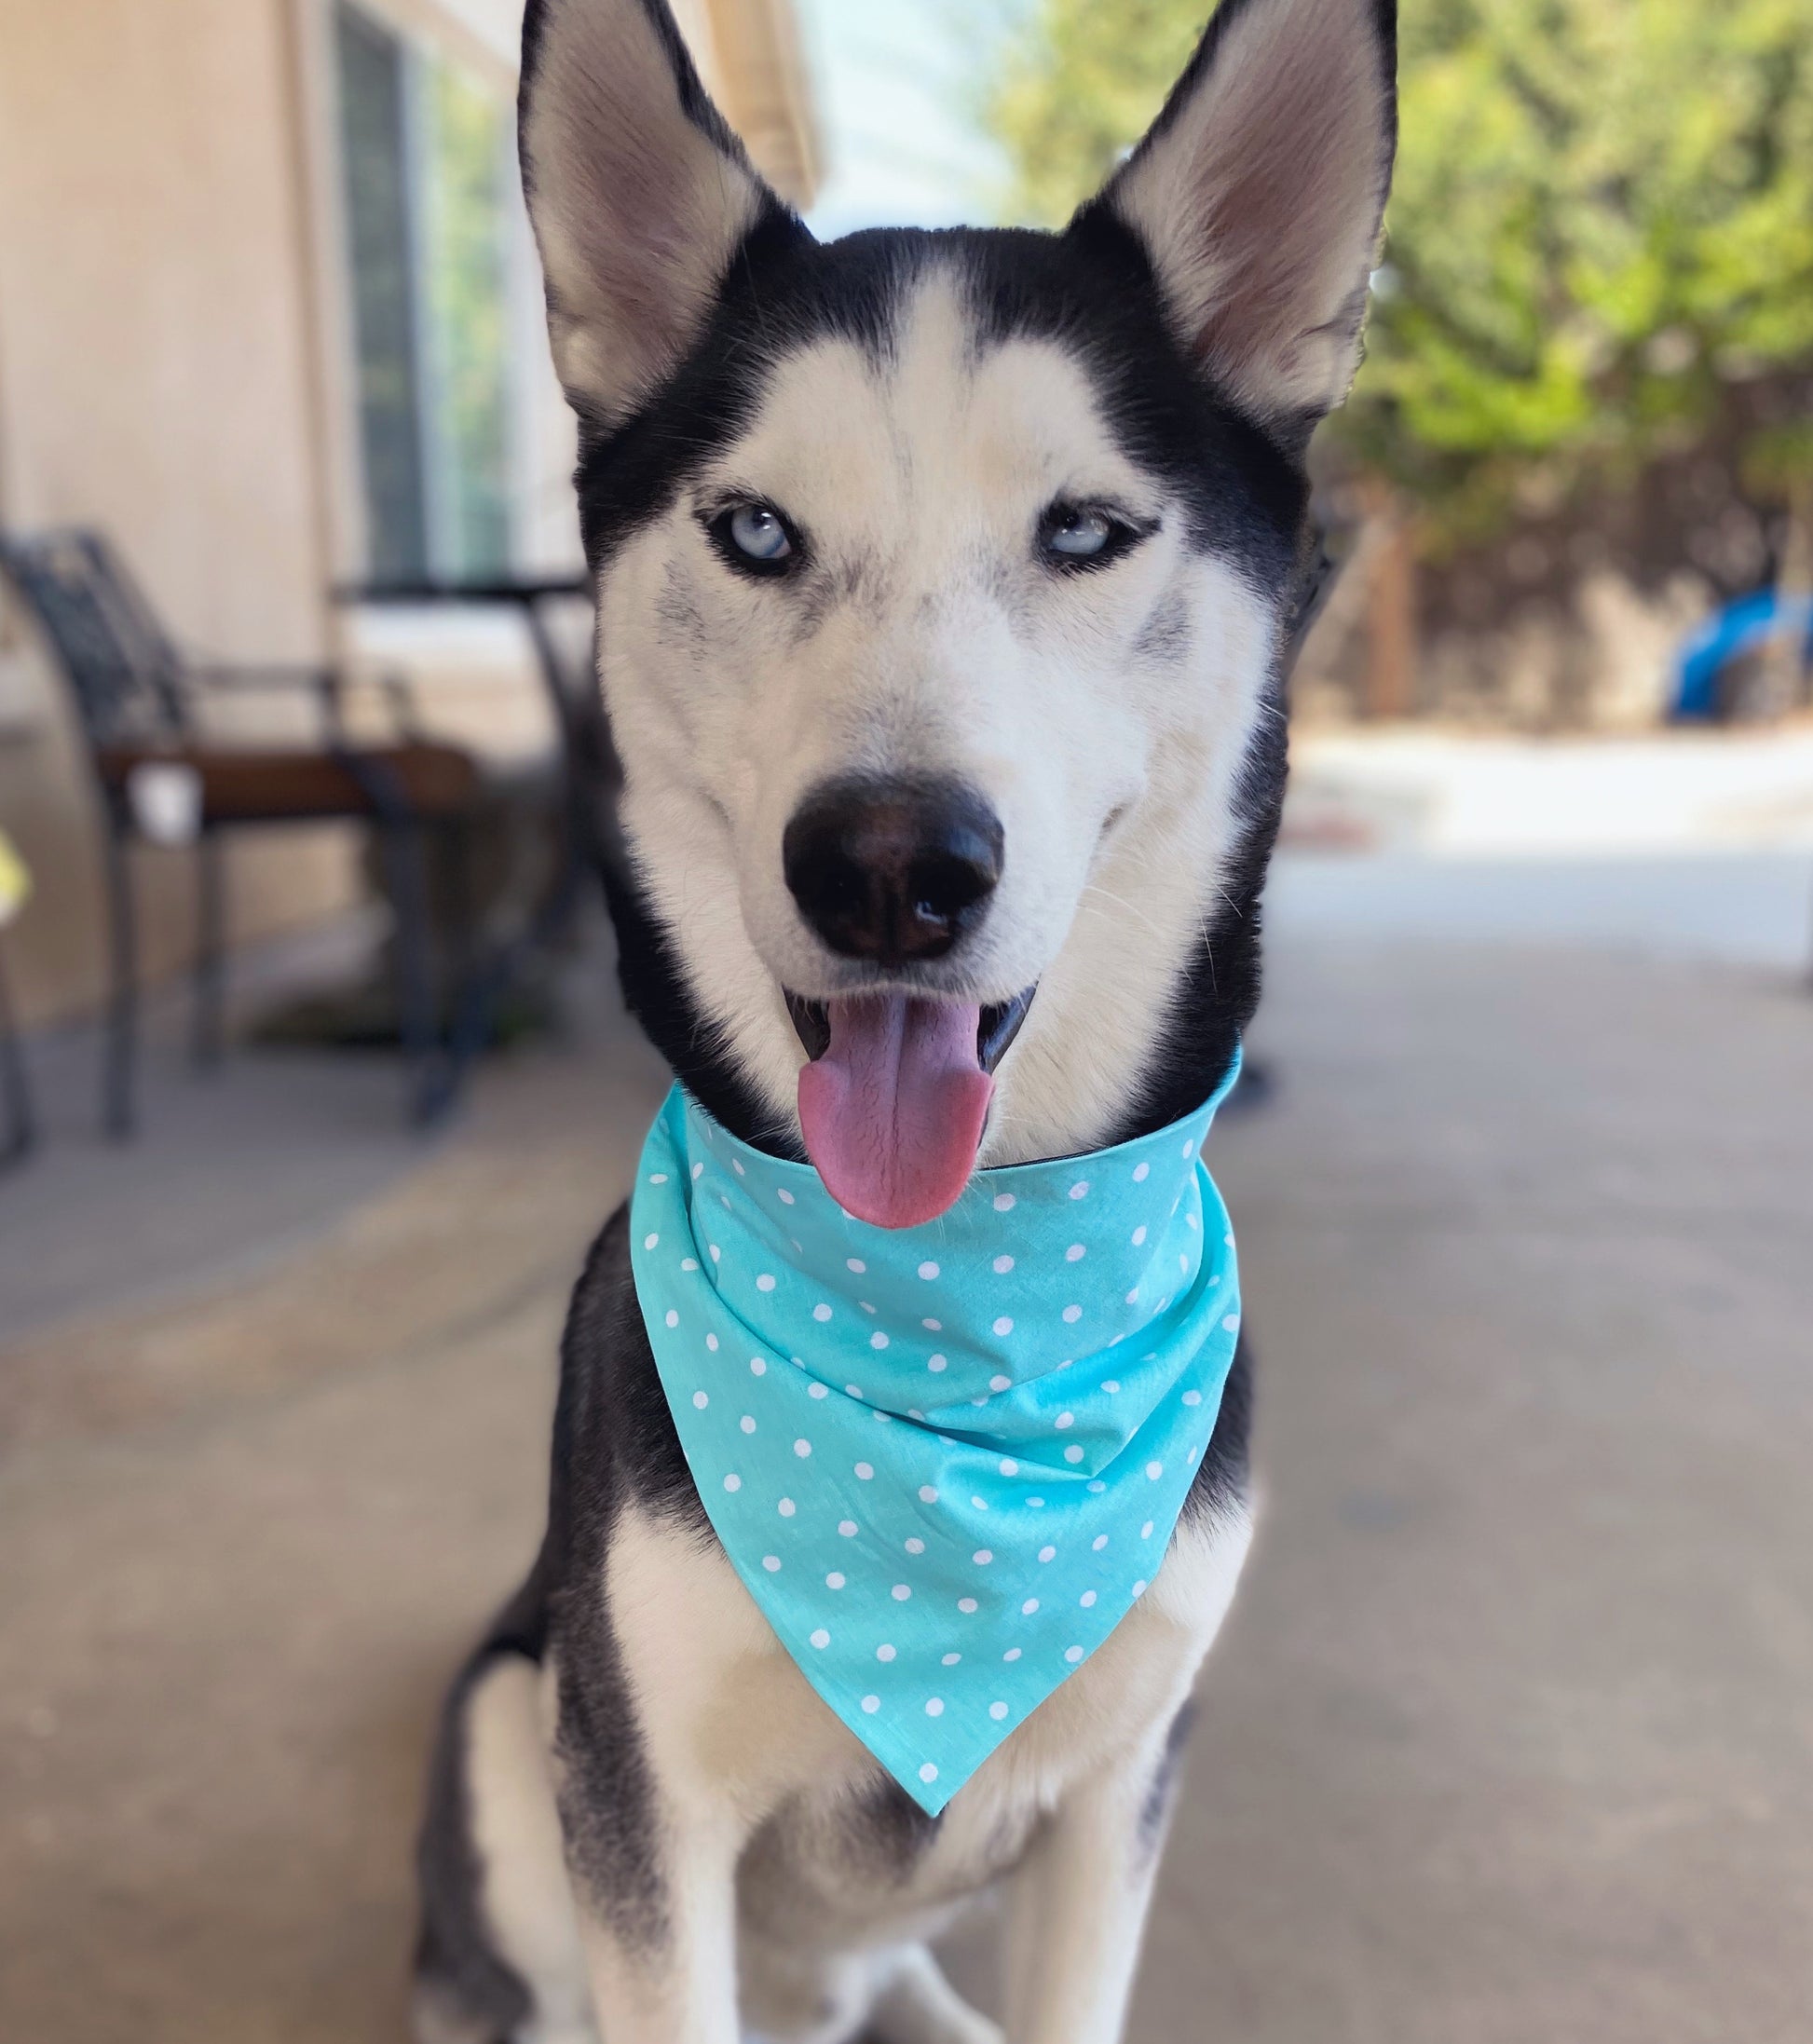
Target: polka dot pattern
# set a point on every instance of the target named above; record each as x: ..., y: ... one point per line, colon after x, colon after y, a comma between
x: 895, y: 1530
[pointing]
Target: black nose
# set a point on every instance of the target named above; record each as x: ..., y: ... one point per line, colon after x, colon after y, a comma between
x: 894, y: 871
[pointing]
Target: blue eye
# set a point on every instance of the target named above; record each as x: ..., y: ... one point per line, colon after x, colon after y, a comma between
x: 1075, y: 535
x: 759, y: 534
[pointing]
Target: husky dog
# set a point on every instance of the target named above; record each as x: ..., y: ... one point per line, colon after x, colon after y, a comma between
x: 943, y: 580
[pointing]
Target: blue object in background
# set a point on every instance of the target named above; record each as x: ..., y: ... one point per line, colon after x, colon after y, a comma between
x: 1741, y: 627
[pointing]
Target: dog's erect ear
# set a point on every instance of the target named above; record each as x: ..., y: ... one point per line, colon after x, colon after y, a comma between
x: 1258, y: 195
x: 639, y: 193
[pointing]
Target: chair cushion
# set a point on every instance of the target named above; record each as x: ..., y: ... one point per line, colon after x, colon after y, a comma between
x: 282, y: 784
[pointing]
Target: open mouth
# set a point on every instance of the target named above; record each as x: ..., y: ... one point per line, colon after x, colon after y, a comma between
x: 893, y: 1101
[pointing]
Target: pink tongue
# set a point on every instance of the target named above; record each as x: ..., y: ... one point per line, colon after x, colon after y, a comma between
x: 892, y: 1112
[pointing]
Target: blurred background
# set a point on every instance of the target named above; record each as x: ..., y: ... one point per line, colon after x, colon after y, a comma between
x: 314, y: 1082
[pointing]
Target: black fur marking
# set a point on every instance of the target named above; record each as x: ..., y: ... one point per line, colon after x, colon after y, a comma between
x: 614, y: 1440
x: 456, y: 1963
x: 1220, y: 1484
x: 1156, y: 1810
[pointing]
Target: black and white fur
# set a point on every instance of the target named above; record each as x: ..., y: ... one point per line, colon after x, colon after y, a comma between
x: 644, y: 1825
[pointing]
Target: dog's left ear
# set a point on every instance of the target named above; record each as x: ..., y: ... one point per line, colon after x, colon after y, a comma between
x: 1258, y: 195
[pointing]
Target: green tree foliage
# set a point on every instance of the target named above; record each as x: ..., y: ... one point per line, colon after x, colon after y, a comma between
x: 1601, y: 235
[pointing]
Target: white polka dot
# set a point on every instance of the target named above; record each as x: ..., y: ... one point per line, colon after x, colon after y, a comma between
x: 927, y: 1271
x: 1004, y: 1326
x: 927, y: 1494
x: 884, y: 1653
x: 673, y: 1317
x: 982, y: 1557
x: 1064, y: 1422
x: 771, y: 1562
x: 1073, y: 1654
x: 936, y: 1363
x: 1132, y: 1297
x: 928, y: 1773
x: 1183, y: 1261
x: 1138, y: 1238
x: 786, y: 1507
x: 950, y: 1660
x: 1096, y: 1488
x: 1004, y: 1202
x: 1139, y: 1590
x: 784, y: 1197
x: 915, y: 1545
x: 651, y: 1241
x: 733, y: 1484
x: 747, y: 1422
x: 1193, y: 1398
x: 821, y: 1314
x: 966, y: 1604
x: 1099, y: 1542
x: 1009, y: 1467
x: 1048, y: 1554
x: 855, y: 1264
x: 1087, y: 1600
x: 1072, y: 1314
x: 1012, y: 1654
x: 1154, y: 1470
x: 1232, y: 1323
x: 698, y: 1172
x: 1003, y: 1265
x: 980, y: 1504
x: 658, y: 1177
x: 803, y: 1448
x: 836, y: 1580
x: 847, y: 1527
x: 818, y: 1391
x: 711, y: 1343
x: 1075, y: 1253
x: 1073, y: 1453
x: 997, y: 1712
x: 1142, y: 1172
x: 1030, y: 1605
x: 933, y: 1327
x: 821, y: 1639
x: 757, y: 1367
x: 765, y: 1281
x: 878, y: 1339
x: 1001, y: 1384
x: 736, y: 1166
x: 1080, y: 1190
x: 1038, y: 1503
x: 854, y: 1391
x: 871, y: 1704
x: 688, y: 1264
x: 865, y: 1470
x: 1111, y: 1385
x: 934, y: 1707
x: 1190, y: 1147
x: 1194, y: 1225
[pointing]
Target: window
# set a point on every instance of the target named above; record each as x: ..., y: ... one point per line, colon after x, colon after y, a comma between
x: 428, y: 189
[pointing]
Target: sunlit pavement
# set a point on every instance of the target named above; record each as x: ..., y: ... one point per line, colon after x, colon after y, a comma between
x: 1509, y: 1739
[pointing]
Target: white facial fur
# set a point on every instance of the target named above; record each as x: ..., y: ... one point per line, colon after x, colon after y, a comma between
x: 1105, y: 715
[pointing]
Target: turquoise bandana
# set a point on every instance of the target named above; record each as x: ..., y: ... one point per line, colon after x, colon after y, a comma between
x: 945, y: 1460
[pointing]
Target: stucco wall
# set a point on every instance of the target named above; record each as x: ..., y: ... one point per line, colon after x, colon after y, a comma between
x: 154, y: 380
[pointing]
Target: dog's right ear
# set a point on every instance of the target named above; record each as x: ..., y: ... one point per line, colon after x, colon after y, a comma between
x: 639, y: 193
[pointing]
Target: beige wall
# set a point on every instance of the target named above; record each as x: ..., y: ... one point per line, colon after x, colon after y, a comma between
x: 154, y: 380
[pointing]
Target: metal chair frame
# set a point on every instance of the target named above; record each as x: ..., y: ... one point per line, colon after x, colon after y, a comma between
x: 130, y: 684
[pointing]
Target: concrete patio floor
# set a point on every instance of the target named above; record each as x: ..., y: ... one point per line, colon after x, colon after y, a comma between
x: 1511, y: 1736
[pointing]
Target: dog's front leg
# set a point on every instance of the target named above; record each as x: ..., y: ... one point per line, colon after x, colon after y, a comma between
x: 1078, y: 1908
x: 661, y: 1946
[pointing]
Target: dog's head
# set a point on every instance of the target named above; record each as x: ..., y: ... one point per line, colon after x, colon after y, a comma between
x: 941, y: 580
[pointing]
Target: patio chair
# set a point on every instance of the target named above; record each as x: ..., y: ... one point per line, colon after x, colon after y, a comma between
x: 142, y: 707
